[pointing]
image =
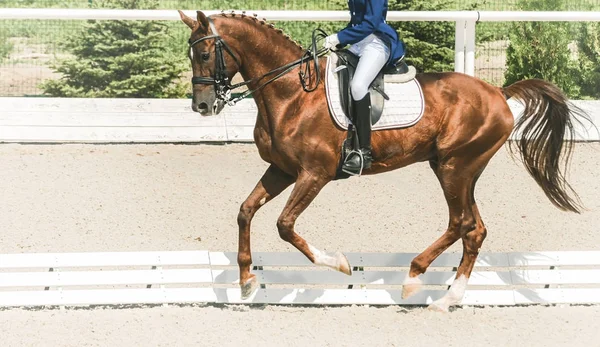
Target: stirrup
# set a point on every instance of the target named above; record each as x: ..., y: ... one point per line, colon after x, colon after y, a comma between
x: 362, y: 163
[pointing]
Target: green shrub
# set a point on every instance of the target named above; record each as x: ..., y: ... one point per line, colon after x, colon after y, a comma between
x: 589, y: 59
x: 120, y: 59
x: 541, y: 50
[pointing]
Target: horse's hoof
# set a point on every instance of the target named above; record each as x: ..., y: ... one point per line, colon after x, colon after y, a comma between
x: 249, y: 287
x: 411, y: 286
x: 344, y: 265
x: 438, y: 307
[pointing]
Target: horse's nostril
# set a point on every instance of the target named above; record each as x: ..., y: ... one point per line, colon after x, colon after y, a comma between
x: 203, y: 106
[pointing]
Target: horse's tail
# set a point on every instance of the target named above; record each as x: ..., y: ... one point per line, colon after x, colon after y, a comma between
x: 547, y: 138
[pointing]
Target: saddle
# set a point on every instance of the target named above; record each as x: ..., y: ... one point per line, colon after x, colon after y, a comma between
x: 346, y: 65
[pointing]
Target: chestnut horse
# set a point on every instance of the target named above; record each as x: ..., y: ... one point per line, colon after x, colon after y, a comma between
x: 465, y: 122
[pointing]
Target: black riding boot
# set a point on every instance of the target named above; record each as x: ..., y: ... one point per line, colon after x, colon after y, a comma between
x: 362, y: 115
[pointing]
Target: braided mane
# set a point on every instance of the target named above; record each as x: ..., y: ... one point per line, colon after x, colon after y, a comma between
x: 262, y: 21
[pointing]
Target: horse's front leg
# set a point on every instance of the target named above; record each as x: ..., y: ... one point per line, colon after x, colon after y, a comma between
x: 306, y: 189
x: 273, y: 182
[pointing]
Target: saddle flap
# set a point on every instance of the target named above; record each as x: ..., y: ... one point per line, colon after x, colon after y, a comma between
x: 344, y: 72
x: 346, y: 65
x: 403, y: 109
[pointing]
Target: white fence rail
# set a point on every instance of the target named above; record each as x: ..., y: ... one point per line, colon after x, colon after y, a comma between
x: 64, y: 120
x: 118, y: 278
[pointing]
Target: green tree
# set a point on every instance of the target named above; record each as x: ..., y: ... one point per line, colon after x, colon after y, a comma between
x: 589, y: 59
x: 114, y: 58
x: 429, y: 45
x: 541, y: 49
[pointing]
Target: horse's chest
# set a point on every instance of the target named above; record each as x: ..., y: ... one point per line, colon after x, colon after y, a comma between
x: 263, y: 143
x: 273, y: 152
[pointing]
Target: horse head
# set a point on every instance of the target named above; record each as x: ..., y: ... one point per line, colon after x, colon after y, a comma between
x: 214, y: 63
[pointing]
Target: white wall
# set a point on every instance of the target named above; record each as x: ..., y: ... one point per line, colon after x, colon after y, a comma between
x: 58, y: 120
x: 120, y: 120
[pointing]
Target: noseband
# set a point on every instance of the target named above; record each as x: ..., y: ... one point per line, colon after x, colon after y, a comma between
x: 221, y: 81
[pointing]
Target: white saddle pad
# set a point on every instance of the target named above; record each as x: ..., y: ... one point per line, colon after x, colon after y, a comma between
x: 405, y: 107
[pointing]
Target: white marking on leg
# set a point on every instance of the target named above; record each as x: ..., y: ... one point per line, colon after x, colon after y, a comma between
x: 321, y: 258
x: 454, y: 295
x: 412, y: 280
x: 411, y: 285
x: 262, y: 201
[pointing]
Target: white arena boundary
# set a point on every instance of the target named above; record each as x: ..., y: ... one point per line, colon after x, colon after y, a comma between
x: 189, y: 277
x: 80, y: 120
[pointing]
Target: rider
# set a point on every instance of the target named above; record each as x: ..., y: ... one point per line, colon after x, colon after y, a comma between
x: 377, y: 45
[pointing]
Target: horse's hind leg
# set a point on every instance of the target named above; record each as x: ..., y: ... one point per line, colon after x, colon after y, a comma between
x: 273, y: 182
x: 464, y: 174
x: 472, y: 231
x: 458, y: 176
x: 462, y: 158
x: 455, y: 191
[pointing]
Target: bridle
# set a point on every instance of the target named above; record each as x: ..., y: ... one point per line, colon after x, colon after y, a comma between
x: 221, y: 82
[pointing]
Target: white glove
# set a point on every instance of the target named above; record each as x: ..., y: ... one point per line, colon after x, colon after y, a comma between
x: 331, y: 41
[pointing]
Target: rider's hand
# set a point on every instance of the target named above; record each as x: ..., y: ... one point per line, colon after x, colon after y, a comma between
x: 331, y: 41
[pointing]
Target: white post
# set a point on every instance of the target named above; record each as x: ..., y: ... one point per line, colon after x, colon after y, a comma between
x: 470, y: 48
x: 459, y: 46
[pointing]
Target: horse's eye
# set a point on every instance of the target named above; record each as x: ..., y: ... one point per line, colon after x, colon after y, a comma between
x: 205, y: 56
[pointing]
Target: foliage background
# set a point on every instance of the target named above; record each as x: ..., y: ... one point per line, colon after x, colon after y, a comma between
x: 119, y: 59
x: 31, y: 49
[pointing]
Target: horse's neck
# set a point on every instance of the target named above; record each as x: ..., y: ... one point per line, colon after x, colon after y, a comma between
x: 262, y: 49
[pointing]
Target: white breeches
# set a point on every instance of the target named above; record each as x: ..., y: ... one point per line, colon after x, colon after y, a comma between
x: 373, y: 54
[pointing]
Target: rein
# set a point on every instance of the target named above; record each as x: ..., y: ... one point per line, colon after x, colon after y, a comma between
x: 221, y: 81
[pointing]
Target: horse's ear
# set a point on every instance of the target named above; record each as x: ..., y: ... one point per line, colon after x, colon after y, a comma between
x: 187, y: 20
x: 201, y: 17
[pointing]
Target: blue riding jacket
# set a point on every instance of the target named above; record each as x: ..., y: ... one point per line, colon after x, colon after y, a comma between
x: 368, y: 17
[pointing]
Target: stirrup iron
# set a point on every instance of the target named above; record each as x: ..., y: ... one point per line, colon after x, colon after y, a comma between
x: 362, y: 163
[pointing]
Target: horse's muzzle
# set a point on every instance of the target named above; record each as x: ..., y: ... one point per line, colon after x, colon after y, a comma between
x: 201, y: 108
x: 205, y: 110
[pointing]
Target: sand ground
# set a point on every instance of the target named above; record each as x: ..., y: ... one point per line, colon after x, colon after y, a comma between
x: 71, y: 198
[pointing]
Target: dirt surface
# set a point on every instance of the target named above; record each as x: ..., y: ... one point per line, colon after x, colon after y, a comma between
x: 26, y: 67
x: 79, y: 198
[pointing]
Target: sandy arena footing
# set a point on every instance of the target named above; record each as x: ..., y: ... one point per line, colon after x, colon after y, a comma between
x: 91, y: 198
